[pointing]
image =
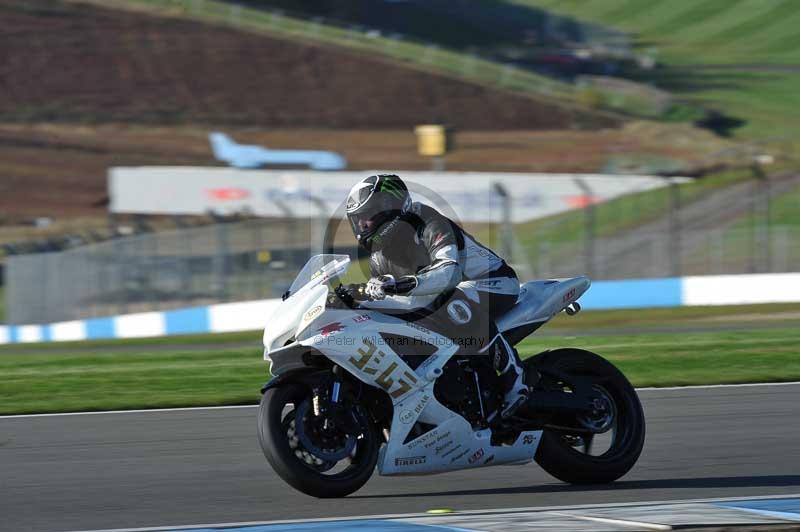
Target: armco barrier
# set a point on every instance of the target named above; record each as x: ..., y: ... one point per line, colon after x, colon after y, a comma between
x: 251, y: 315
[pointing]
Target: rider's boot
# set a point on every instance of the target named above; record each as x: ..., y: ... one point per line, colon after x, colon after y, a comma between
x: 509, y: 367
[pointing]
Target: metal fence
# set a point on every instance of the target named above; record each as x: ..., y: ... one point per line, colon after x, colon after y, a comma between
x: 727, y: 232
x: 716, y: 251
x: 246, y: 260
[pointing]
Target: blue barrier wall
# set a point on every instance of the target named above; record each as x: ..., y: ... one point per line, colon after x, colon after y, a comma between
x: 251, y: 315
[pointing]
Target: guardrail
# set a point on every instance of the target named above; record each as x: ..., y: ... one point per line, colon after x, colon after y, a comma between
x: 253, y: 315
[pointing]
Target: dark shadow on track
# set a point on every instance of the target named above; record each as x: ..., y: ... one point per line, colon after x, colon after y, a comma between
x: 667, y: 483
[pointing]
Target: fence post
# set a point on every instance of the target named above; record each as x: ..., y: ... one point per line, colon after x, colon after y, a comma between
x: 320, y: 224
x: 253, y: 262
x: 783, y: 259
x: 752, y: 259
x: 760, y: 238
x: 505, y: 220
x: 119, y: 253
x: 221, y: 259
x: 766, y: 236
x: 182, y: 264
x: 545, y: 269
x: 589, y: 226
x: 675, y: 227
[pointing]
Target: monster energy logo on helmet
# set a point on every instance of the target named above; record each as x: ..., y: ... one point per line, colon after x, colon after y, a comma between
x: 391, y: 185
x: 373, y: 203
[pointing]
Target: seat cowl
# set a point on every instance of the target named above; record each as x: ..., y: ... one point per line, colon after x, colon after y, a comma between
x: 539, y: 301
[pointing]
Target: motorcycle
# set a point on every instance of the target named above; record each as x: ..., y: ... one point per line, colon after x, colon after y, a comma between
x: 355, y: 388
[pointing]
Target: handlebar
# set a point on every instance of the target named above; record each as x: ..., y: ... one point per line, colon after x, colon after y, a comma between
x: 349, y: 294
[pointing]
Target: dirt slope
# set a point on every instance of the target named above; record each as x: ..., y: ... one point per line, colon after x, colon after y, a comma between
x: 77, y: 62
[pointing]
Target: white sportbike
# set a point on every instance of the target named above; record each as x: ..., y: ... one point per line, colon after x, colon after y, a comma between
x: 355, y: 388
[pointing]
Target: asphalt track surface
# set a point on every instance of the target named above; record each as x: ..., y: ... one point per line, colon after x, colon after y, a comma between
x: 197, y: 466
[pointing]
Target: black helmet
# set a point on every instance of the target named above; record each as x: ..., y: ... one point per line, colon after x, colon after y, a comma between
x: 374, y: 202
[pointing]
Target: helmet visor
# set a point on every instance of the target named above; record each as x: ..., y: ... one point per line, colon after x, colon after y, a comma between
x: 365, y: 223
x: 358, y: 198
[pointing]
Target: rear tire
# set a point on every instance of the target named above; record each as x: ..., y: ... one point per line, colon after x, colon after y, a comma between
x: 272, y: 435
x: 558, y: 456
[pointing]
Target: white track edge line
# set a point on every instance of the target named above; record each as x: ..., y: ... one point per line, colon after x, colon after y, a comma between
x: 766, y: 513
x: 465, y: 512
x: 712, y: 386
x: 639, y: 525
x: 139, y: 411
x: 191, y: 408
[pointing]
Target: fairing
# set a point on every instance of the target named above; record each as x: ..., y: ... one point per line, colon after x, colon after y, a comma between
x: 357, y: 341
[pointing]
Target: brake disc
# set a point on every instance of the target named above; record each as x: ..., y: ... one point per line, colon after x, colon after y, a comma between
x: 603, y: 412
x: 338, y: 447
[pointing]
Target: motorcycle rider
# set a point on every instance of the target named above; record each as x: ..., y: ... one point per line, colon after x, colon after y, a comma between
x: 423, y: 262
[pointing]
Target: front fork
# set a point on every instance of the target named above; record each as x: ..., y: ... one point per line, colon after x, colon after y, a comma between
x: 326, y: 399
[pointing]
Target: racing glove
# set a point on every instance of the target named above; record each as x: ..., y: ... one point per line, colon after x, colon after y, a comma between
x: 378, y: 287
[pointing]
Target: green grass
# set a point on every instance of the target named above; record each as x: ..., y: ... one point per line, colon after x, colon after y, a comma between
x: 38, y: 382
x: 694, y: 37
x: 60, y: 383
x: 253, y: 337
x: 65, y: 377
x: 700, y: 358
x: 690, y: 31
x: 675, y: 317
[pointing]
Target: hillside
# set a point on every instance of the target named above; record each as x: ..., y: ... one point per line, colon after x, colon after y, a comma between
x: 739, y: 56
x: 83, y: 88
x: 80, y: 63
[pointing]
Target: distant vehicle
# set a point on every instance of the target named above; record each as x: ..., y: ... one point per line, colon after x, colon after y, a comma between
x: 349, y: 393
x: 252, y: 156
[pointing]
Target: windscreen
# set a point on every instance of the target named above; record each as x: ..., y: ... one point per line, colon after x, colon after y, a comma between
x: 319, y: 269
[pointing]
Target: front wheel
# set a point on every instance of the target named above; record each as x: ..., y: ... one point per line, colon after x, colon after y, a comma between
x: 313, y: 455
x: 613, y: 435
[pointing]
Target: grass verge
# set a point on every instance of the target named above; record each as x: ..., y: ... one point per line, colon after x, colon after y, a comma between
x: 64, y: 381
x: 699, y: 358
x: 39, y: 382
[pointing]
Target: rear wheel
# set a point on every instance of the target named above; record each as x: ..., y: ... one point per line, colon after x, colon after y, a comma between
x: 310, y: 453
x: 612, y: 434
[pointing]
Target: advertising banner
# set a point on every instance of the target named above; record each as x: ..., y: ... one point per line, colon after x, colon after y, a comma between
x: 470, y: 196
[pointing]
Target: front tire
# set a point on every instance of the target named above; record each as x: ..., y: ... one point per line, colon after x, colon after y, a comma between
x: 558, y: 451
x: 298, y: 466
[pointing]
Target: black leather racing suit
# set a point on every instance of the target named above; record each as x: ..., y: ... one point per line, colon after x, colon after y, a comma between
x: 459, y: 282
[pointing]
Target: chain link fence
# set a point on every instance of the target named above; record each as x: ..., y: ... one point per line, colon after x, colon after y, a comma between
x: 730, y: 231
x: 727, y: 232
x: 252, y: 259
x: 719, y: 251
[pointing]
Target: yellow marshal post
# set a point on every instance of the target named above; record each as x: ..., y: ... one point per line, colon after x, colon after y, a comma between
x: 433, y: 141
